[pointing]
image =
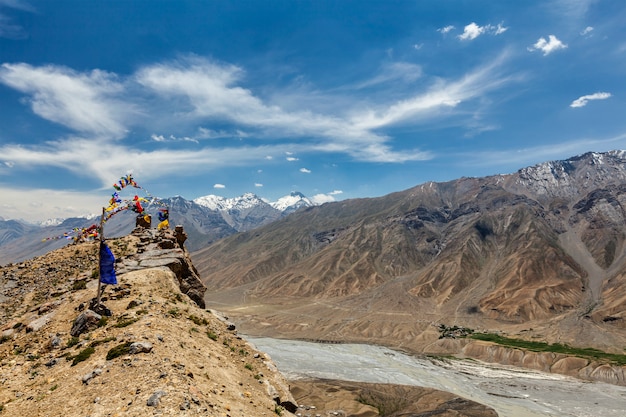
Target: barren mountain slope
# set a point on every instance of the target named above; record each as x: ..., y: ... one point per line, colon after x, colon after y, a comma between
x: 152, y: 351
x: 538, y: 254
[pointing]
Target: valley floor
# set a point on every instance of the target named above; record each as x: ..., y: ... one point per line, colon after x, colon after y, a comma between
x: 512, y: 392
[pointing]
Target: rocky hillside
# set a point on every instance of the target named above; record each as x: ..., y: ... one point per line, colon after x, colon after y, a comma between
x: 151, y: 348
x: 539, y: 255
x: 147, y: 349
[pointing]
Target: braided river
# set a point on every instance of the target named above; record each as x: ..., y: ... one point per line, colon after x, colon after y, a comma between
x: 512, y: 392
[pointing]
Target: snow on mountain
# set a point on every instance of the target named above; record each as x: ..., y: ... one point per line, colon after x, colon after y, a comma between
x: 288, y: 203
x: 51, y: 222
x: 292, y: 202
x: 213, y: 202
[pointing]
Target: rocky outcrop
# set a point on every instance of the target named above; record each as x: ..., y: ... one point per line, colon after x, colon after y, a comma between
x: 165, y: 248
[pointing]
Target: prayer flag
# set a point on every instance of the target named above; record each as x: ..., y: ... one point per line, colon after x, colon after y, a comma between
x: 107, y: 265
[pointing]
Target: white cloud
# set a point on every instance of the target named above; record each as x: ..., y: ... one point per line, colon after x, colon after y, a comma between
x: 445, y: 29
x: 305, y: 171
x: 97, y: 104
x: 583, y: 100
x: 172, y: 138
x: 291, y: 158
x: 336, y: 192
x: 587, y: 31
x: 472, y: 31
x: 43, y: 204
x: 219, y: 186
x: 500, y: 29
x: 548, y: 46
x: 257, y: 184
x: 322, y: 198
x: 85, y: 102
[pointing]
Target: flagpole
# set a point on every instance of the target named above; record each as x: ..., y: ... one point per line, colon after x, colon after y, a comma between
x: 100, y: 256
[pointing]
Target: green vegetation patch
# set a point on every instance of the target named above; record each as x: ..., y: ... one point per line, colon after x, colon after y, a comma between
x: 125, y: 321
x: 198, y: 321
x: 554, y: 348
x: 83, y: 355
x: 119, y: 350
x: 99, y: 342
x: 79, y: 285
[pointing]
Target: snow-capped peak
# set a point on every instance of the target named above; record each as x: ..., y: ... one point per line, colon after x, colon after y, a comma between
x: 288, y: 203
x: 218, y: 203
x: 293, y: 201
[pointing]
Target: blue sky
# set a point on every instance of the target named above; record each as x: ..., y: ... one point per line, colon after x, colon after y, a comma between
x: 335, y: 99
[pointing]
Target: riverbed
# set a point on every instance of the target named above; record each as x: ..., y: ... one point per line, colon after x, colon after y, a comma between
x: 512, y: 392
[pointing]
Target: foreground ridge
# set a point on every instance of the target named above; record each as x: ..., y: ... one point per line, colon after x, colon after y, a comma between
x: 149, y: 348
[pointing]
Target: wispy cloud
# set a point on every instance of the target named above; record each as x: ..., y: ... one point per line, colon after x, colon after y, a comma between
x: 305, y: 170
x: 547, y: 46
x: 18, y: 4
x: 472, y: 31
x: 8, y: 28
x: 586, y: 31
x: 11, y: 30
x: 583, y: 100
x: 58, y: 203
x: 405, y: 72
x: 100, y: 106
x: 219, y: 186
x: 554, y: 151
x: 85, y: 102
x: 172, y: 138
x: 445, y: 29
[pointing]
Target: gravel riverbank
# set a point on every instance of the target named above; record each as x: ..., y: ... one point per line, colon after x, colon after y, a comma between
x: 512, y: 392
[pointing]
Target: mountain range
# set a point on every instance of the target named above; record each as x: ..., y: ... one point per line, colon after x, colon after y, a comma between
x: 205, y: 219
x: 539, y: 254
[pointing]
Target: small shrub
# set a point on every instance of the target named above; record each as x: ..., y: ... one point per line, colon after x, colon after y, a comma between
x: 99, y: 342
x: 103, y: 321
x: 79, y: 285
x: 119, y: 350
x: 125, y: 321
x: 73, y: 341
x: 212, y: 336
x: 198, y: 321
x: 83, y: 355
x: 249, y: 367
